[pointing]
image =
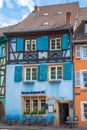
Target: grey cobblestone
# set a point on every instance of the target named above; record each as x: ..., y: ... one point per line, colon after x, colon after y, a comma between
x: 16, y: 127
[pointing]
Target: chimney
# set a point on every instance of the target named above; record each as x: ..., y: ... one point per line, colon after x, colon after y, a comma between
x: 68, y: 17
x: 36, y: 8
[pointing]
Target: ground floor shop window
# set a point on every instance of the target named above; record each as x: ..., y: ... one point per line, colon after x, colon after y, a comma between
x: 33, y: 105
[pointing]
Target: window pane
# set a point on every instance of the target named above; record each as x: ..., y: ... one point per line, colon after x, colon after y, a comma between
x: 27, y: 45
x: 33, y: 44
x: 59, y: 72
x: 53, y: 44
x: 58, y: 43
x: 85, y: 111
x: 43, y: 104
x: 35, y: 105
x: 28, y: 74
x: 53, y: 72
x: 27, y: 105
x: 34, y: 74
x: 85, y: 79
x: 85, y: 52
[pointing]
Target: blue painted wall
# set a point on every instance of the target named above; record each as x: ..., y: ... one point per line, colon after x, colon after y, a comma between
x: 62, y: 90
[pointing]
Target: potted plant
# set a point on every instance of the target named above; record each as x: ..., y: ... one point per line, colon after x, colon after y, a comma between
x: 27, y: 112
x: 42, y: 111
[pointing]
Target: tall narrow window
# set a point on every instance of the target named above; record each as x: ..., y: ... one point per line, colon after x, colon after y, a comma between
x: 33, y: 45
x: 27, y: 45
x: 35, y: 105
x: 27, y: 106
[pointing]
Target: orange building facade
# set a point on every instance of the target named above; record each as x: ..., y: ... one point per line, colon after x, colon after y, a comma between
x: 80, y: 91
x: 80, y: 69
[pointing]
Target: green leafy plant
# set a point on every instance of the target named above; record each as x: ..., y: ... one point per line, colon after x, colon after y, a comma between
x: 27, y: 112
x: 34, y: 112
x: 42, y: 111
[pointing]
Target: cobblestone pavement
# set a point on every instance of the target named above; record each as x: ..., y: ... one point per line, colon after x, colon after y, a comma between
x: 16, y: 127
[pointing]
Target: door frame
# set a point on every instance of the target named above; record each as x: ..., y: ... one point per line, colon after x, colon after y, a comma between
x: 3, y: 108
x: 57, y: 109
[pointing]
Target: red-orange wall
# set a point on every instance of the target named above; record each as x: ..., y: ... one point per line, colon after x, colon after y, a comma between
x: 79, y: 64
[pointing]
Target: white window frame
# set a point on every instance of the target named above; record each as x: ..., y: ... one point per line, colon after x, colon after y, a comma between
x: 82, y: 111
x: 31, y: 45
x: 55, y: 44
x: 30, y: 74
x: 56, y: 73
x: 26, y: 42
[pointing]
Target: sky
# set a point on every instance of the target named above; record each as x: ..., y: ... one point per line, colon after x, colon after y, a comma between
x: 14, y: 11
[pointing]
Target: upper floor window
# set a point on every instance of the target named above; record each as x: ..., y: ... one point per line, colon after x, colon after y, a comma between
x: 30, y: 45
x: 55, y: 44
x: 84, y: 79
x: 81, y: 78
x: 56, y: 72
x: 81, y: 51
x: 84, y: 50
x: 30, y: 73
x: 85, y: 28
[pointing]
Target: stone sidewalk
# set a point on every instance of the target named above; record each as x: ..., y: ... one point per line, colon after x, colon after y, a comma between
x: 16, y: 127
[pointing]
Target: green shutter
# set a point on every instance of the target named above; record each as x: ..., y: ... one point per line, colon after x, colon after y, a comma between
x: 18, y: 74
x: 42, y: 72
x: 42, y: 43
x: 68, y: 71
x: 20, y: 44
x: 65, y: 41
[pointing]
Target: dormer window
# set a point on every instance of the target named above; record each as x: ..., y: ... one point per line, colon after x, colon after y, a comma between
x: 45, y: 23
x: 85, y: 28
x: 45, y: 14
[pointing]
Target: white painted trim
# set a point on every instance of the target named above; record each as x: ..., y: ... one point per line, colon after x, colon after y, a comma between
x: 82, y: 110
x: 55, y: 44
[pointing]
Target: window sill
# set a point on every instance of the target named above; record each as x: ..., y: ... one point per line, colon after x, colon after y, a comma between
x: 55, y: 81
x: 29, y: 81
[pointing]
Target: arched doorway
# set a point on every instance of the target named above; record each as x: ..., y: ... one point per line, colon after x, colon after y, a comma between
x: 2, y: 112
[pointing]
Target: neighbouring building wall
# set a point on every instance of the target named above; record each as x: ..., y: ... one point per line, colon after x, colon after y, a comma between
x: 80, y: 68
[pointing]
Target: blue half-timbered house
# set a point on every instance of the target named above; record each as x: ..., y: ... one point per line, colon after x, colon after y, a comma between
x: 39, y: 72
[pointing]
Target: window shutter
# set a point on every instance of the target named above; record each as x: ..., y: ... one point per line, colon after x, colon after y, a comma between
x: 0, y: 51
x: 39, y: 44
x: 78, y: 51
x: 65, y: 41
x: 42, y: 43
x: 42, y: 72
x: 20, y: 44
x: 77, y: 79
x: 68, y: 71
x: 45, y: 43
x: 18, y: 74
